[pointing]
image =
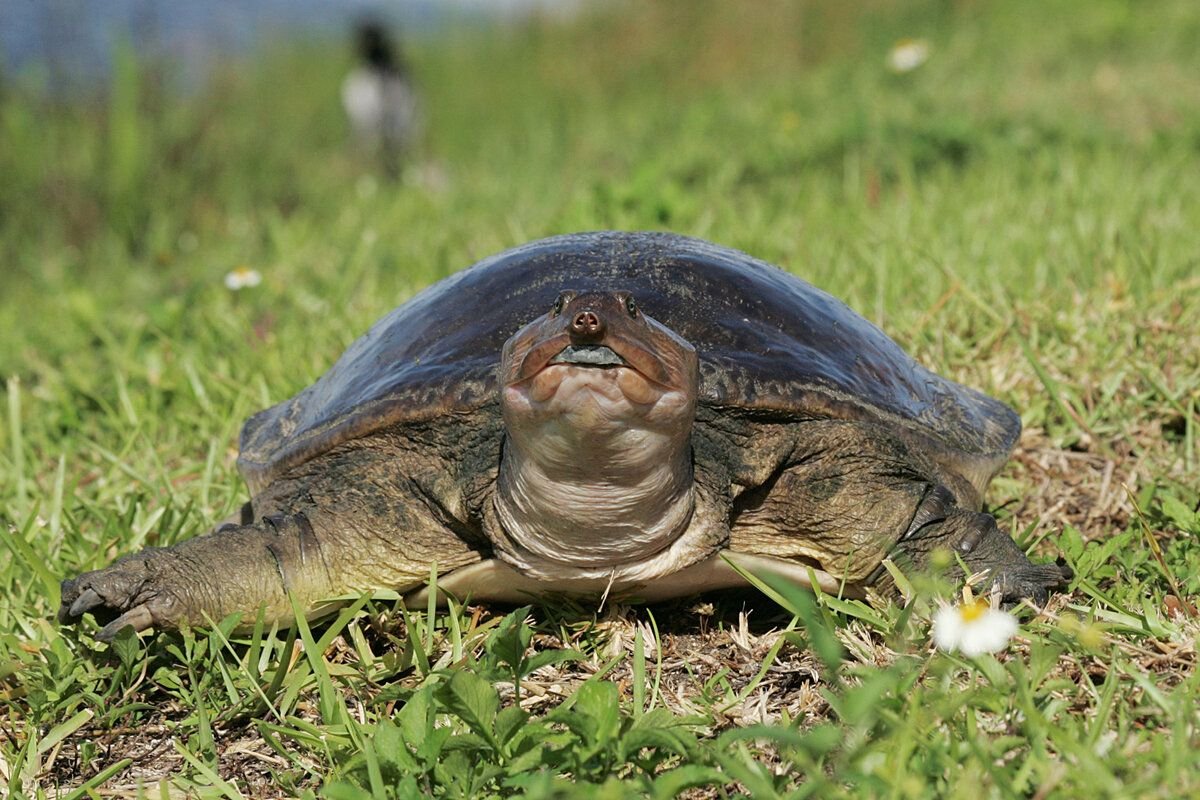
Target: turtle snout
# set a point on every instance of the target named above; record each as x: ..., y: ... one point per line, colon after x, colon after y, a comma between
x: 587, y: 327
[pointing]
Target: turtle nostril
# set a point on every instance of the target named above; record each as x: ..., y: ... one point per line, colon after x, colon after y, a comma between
x: 587, y: 325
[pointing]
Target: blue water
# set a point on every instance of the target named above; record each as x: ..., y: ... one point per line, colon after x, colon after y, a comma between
x: 64, y: 44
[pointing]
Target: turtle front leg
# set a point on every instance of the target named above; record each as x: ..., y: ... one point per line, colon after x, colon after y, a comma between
x: 983, y: 547
x: 236, y: 568
x: 253, y: 568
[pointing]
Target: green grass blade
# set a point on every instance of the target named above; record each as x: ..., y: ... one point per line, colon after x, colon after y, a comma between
x: 333, y: 711
x: 16, y: 441
x: 18, y: 544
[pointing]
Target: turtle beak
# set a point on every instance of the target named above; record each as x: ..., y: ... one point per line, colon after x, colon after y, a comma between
x: 589, y: 355
x: 537, y: 356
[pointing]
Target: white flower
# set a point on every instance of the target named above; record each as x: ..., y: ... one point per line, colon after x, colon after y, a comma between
x: 242, y: 278
x: 908, y: 54
x: 973, y: 627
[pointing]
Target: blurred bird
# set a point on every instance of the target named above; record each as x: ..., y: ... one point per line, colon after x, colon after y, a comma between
x: 380, y: 99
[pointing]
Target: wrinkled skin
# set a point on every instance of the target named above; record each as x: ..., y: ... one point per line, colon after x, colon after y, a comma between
x: 596, y: 480
x: 594, y: 472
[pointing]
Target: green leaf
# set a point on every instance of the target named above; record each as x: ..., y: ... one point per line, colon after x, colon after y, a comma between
x: 468, y: 742
x: 63, y: 730
x: 127, y: 646
x: 598, y: 701
x: 510, y: 640
x: 673, y: 741
x: 391, y: 748
x: 429, y: 751
x: 509, y: 723
x: 473, y: 700
x: 415, y: 718
x: 1176, y: 511
x: 659, y: 728
x: 529, y: 760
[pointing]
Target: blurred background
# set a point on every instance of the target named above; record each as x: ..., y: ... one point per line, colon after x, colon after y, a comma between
x: 151, y: 149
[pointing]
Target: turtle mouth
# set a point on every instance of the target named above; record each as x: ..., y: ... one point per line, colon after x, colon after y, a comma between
x: 589, y: 355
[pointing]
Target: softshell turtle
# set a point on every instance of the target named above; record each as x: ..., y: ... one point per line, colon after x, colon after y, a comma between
x: 607, y: 414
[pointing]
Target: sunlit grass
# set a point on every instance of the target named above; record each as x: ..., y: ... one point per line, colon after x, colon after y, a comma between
x: 1018, y: 212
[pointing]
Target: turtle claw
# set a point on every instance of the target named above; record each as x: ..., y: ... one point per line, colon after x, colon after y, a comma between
x: 87, y: 600
x: 139, y: 618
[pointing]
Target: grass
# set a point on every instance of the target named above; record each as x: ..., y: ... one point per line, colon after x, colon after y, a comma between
x: 1017, y: 213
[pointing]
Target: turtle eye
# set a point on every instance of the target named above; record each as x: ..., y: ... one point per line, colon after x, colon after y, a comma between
x: 558, y: 306
x: 631, y: 307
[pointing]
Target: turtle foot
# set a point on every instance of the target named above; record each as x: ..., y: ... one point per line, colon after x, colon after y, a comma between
x: 1032, y: 582
x: 983, y: 547
x: 130, y: 593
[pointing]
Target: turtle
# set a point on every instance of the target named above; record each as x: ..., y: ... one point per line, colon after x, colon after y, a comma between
x: 635, y: 416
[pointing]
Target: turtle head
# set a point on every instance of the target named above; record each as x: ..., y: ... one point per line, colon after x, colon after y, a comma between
x: 597, y: 360
x: 598, y: 400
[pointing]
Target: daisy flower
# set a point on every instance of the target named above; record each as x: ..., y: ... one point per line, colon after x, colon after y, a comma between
x: 908, y: 54
x: 972, y: 627
x: 242, y: 278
